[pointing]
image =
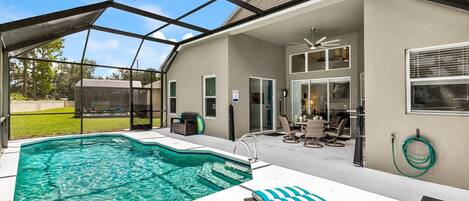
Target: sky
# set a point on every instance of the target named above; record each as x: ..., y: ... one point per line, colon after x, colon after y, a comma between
x: 116, y: 50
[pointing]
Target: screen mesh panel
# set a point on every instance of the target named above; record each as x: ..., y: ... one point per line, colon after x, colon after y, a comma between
x: 52, y: 29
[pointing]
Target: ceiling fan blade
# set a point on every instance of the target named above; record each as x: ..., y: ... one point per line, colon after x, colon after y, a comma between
x: 331, y: 41
x: 308, y: 41
x: 296, y: 43
x: 320, y: 40
x: 330, y: 44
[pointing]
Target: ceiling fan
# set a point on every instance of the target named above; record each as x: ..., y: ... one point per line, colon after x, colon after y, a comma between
x: 315, y: 44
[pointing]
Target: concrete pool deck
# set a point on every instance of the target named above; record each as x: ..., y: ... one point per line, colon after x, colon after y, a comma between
x: 265, y: 175
x: 335, y: 164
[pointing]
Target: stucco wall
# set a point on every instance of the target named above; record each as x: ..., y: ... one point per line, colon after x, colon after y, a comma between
x: 355, y: 40
x: 252, y: 57
x: 391, y: 27
x: 208, y: 57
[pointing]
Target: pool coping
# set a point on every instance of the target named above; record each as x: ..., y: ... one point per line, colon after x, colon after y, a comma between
x: 10, y: 156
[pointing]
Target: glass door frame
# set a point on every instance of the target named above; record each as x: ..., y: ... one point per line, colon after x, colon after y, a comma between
x: 327, y: 80
x: 274, y: 104
x: 133, y: 125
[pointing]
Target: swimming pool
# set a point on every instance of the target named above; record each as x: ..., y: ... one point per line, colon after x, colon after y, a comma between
x: 114, y: 167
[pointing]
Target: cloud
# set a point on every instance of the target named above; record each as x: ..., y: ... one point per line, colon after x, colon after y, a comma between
x: 152, y: 55
x: 151, y: 24
x: 187, y: 36
x: 159, y: 35
x: 98, y: 46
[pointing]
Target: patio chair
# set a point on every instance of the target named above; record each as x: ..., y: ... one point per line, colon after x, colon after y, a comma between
x: 314, y: 131
x: 187, y: 124
x: 335, y: 134
x: 290, y: 136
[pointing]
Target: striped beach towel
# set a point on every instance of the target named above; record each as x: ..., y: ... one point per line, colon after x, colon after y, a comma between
x: 279, y: 193
x: 309, y: 197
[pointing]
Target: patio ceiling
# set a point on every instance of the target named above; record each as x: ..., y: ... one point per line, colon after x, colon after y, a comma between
x: 26, y: 34
x: 328, y: 18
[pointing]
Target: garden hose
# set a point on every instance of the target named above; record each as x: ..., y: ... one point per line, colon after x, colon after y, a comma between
x: 421, y: 163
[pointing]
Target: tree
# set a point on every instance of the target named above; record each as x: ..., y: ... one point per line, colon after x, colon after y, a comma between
x: 68, y: 76
x: 33, y: 79
x: 144, y: 77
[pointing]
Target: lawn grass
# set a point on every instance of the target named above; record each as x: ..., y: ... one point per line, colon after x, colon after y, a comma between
x: 27, y: 126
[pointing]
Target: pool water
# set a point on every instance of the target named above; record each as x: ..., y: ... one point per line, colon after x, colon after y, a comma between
x: 118, y: 168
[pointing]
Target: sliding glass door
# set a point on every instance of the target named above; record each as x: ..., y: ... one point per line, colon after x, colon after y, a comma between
x: 320, y: 97
x: 261, y: 104
x: 339, y: 98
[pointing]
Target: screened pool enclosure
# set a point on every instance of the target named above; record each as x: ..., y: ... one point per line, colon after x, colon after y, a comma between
x: 124, y: 48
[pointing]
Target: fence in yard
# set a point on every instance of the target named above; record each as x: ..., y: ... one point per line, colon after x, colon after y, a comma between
x: 31, y: 106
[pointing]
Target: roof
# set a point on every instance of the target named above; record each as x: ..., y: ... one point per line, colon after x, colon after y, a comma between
x: 154, y: 85
x: 123, y: 84
x: 241, y: 13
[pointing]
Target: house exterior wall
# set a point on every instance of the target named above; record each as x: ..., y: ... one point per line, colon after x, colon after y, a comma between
x: 391, y: 27
x: 252, y: 57
x: 355, y: 40
x: 208, y: 57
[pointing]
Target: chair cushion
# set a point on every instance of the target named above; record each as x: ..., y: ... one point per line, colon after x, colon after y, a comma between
x: 278, y: 193
x: 331, y: 133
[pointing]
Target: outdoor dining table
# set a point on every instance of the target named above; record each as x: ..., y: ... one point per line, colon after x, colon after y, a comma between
x: 303, y: 124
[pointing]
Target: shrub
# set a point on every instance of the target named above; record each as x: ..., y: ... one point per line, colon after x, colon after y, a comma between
x: 18, y: 97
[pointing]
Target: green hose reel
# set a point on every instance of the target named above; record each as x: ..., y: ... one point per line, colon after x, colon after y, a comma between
x: 421, y: 163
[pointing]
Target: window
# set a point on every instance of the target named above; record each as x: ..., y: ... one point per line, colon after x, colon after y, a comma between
x: 324, y: 59
x: 339, y: 58
x: 438, y: 79
x: 172, y: 97
x: 317, y: 60
x: 329, y: 98
x: 210, y: 93
x: 298, y: 63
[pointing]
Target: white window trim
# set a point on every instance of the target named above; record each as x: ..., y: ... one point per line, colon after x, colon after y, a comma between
x: 169, y: 97
x: 327, y: 60
x: 410, y: 80
x: 204, y: 97
x: 327, y: 81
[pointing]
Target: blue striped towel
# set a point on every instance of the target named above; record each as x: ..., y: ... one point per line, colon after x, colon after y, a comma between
x: 309, y: 197
x: 278, y: 193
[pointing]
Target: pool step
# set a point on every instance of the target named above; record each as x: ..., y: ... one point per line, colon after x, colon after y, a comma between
x: 206, y: 173
x: 227, y: 172
x: 237, y: 167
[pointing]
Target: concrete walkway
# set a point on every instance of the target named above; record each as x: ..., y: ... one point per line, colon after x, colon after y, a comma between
x: 334, y: 164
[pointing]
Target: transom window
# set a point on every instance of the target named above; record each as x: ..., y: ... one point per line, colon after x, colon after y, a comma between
x: 324, y: 59
x: 210, y: 93
x: 172, y: 97
x: 438, y: 79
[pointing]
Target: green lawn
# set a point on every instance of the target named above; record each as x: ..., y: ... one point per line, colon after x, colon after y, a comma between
x: 63, y: 124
